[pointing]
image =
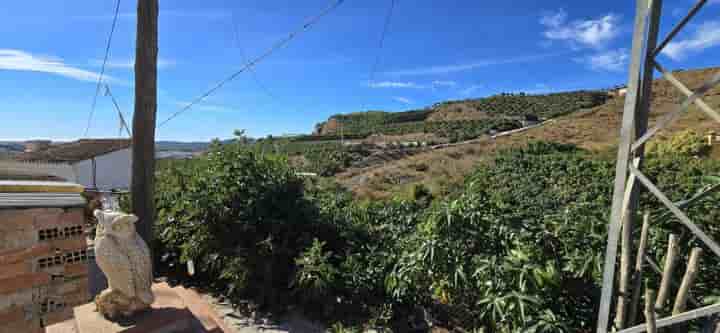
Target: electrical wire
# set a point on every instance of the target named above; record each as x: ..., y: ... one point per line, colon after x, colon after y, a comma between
x: 253, y: 74
x: 102, y: 69
x: 123, y: 123
x: 281, y: 43
x: 376, y: 63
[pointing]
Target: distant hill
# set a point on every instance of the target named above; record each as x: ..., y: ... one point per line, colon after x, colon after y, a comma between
x: 517, y: 105
x: 463, y: 119
x: 10, y: 146
x: 181, y: 146
x: 166, y: 147
x: 596, y: 129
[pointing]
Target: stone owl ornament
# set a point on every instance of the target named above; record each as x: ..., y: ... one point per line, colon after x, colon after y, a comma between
x: 124, y: 257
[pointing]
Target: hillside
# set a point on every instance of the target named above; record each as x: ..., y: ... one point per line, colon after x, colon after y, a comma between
x: 595, y: 129
x: 464, y: 119
x: 517, y: 105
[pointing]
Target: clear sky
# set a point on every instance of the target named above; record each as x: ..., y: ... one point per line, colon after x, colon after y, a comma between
x: 51, y: 52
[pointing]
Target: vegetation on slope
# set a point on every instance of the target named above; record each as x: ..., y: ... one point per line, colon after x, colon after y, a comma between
x: 517, y: 249
x: 518, y: 105
x: 595, y: 129
x: 464, y: 119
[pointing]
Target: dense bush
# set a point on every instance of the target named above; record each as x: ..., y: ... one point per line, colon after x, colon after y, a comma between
x: 239, y: 217
x: 375, y: 235
x: 243, y: 219
x: 518, y: 249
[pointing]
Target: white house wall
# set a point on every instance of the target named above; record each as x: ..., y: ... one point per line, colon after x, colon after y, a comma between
x: 112, y: 170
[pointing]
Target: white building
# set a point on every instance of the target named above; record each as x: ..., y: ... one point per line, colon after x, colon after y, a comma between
x: 102, y: 164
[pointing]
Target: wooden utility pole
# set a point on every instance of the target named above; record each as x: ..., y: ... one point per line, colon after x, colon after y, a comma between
x: 143, y: 139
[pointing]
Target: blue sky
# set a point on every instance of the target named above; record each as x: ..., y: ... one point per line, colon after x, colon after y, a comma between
x: 51, y: 51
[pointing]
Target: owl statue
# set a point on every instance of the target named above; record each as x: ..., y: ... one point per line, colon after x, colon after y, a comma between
x: 125, y: 259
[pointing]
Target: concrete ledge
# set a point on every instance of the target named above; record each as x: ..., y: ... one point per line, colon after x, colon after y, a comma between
x: 168, y: 314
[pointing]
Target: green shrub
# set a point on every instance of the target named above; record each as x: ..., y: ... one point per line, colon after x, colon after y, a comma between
x: 316, y: 276
x: 240, y: 217
x: 518, y: 249
x: 521, y: 247
x: 689, y: 143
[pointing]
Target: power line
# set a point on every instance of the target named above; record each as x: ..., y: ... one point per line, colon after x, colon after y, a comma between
x: 102, y: 69
x: 123, y: 123
x: 253, y: 74
x: 386, y: 26
x: 376, y: 63
x: 278, y: 45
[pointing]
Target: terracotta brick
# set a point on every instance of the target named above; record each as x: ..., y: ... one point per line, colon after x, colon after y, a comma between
x: 73, y: 216
x: 15, y: 313
x: 19, y: 239
x: 10, y: 270
x: 79, y: 269
x: 25, y: 281
x: 11, y: 219
x: 18, y: 298
x: 77, y: 298
x: 58, y: 218
x: 83, y: 294
x: 72, y: 244
x: 57, y: 316
x: 14, y: 256
x: 46, y: 220
x: 63, y: 288
x: 16, y: 229
x: 70, y: 287
x: 32, y: 326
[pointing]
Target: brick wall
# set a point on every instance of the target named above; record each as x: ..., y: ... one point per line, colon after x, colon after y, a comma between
x: 43, y: 266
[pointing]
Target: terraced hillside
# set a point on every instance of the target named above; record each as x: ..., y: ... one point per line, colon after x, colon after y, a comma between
x: 595, y: 129
x: 464, y: 119
x: 517, y: 105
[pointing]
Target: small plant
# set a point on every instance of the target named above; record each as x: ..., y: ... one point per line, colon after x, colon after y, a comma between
x: 316, y: 275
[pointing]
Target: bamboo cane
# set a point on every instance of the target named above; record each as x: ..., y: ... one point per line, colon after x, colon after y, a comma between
x: 625, y: 258
x: 639, y: 264
x: 650, y: 311
x: 687, y: 281
x: 668, y: 268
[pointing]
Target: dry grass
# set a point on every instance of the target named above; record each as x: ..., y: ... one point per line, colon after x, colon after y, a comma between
x: 596, y: 130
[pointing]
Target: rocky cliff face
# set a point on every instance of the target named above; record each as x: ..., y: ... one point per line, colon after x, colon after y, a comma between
x: 331, y: 126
